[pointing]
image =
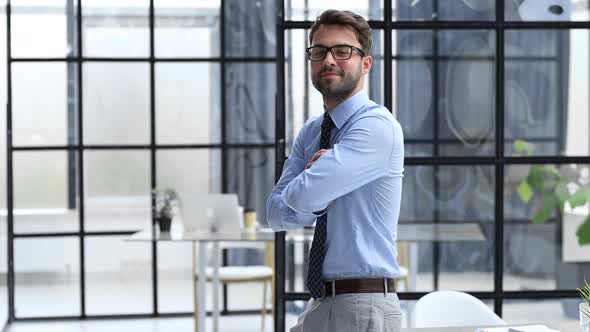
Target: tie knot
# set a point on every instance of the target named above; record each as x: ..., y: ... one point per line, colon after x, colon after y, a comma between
x: 327, y: 123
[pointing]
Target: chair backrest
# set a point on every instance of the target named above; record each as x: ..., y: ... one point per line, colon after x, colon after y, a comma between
x: 211, y: 212
x: 452, y: 308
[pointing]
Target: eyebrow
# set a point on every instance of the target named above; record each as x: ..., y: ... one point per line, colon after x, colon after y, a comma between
x: 322, y: 45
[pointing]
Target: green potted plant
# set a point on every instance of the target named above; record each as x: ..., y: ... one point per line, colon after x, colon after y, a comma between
x: 555, y: 187
x: 585, y: 307
x: 163, y: 207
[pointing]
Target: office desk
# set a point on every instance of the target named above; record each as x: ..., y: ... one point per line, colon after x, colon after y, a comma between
x: 413, y: 233
x: 202, y: 239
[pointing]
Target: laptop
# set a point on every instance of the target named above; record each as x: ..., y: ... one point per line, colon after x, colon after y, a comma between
x: 215, y: 213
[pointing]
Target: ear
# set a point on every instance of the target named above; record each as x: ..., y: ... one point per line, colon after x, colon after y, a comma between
x: 367, y: 63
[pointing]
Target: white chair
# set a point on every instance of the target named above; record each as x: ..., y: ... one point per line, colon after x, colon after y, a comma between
x: 221, y: 212
x: 253, y: 273
x: 452, y: 308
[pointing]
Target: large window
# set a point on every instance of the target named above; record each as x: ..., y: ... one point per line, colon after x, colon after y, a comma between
x: 486, y: 96
x: 109, y: 100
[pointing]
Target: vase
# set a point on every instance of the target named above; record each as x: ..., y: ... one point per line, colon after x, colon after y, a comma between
x: 585, y: 317
x: 164, y: 223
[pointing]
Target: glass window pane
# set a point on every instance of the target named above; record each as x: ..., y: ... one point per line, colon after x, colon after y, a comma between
x: 541, y: 250
x: 187, y: 107
x: 118, y: 276
x: 116, y: 103
x: 189, y: 170
x: 448, y: 10
x: 560, y: 314
x: 117, y: 187
x: 175, y: 279
x: 546, y: 10
x: 300, y: 94
x: 186, y: 28
x: 251, y: 30
x: 50, y: 117
x: 304, y: 10
x: 57, y: 38
x: 115, y: 29
x: 47, y: 269
x: 250, y: 103
x: 302, y: 100
x: 546, y: 92
x: 445, y: 100
x: 45, y: 198
x: 250, y: 174
x: 31, y: 172
x: 450, y: 195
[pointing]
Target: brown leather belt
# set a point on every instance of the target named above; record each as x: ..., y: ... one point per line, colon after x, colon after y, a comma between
x: 365, y: 285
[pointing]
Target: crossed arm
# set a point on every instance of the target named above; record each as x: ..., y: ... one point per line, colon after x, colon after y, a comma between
x: 361, y: 156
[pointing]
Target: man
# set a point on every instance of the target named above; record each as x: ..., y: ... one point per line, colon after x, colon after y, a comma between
x: 346, y: 170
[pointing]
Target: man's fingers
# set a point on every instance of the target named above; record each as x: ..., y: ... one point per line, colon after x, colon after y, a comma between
x: 318, y: 154
x: 315, y: 157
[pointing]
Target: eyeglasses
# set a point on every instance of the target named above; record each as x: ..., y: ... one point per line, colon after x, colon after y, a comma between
x: 339, y: 52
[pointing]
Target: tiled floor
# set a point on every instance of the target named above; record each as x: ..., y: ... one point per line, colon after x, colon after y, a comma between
x: 133, y: 295
x: 227, y: 324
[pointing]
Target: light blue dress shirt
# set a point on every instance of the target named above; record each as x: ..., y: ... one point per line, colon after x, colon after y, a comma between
x: 358, y: 182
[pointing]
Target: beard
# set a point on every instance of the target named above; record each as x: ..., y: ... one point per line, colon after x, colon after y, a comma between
x: 337, y: 90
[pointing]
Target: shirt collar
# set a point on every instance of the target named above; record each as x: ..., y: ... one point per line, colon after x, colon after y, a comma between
x: 347, y: 108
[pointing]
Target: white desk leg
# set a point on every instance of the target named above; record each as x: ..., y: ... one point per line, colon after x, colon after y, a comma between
x: 215, y: 286
x: 412, y: 276
x: 202, y: 285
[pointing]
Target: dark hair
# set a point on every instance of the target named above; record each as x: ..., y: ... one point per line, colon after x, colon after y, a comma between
x: 348, y: 19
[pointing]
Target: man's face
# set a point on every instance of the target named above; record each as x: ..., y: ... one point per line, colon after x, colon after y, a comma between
x: 338, y: 79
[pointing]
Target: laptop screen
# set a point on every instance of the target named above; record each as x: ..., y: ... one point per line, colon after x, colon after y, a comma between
x: 218, y: 213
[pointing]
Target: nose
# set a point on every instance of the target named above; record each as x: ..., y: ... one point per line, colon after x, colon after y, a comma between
x: 329, y: 60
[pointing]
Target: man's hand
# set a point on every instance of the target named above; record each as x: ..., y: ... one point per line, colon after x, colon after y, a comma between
x: 315, y: 157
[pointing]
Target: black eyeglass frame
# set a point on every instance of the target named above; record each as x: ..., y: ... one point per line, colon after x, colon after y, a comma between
x: 329, y: 49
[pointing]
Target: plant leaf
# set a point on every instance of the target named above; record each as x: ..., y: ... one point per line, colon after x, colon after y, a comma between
x: 536, y: 177
x: 563, y: 195
x: 552, y: 170
x: 580, y: 197
x: 583, y: 233
x: 544, y: 177
x: 525, y: 191
x: 549, y: 205
x: 521, y: 146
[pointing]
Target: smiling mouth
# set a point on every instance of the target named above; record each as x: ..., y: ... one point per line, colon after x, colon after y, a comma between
x: 328, y: 74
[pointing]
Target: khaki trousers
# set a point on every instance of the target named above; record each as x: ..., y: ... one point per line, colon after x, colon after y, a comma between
x: 362, y: 312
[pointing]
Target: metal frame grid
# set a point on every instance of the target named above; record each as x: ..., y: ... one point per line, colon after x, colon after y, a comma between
x: 79, y: 148
x: 498, y: 161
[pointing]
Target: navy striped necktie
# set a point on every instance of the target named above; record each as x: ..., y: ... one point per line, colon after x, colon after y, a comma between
x: 318, y: 251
